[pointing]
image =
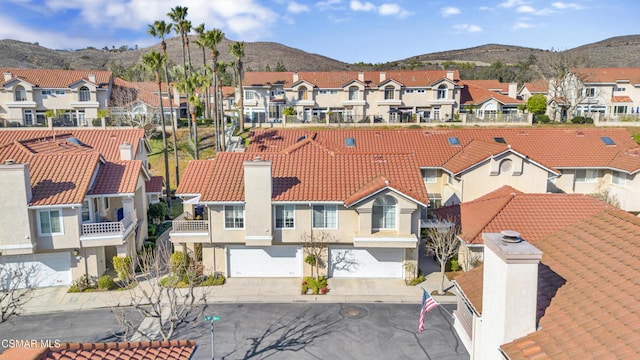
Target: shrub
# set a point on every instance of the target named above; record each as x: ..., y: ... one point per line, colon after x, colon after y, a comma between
x: 105, y: 282
x: 179, y: 263
x: 455, y: 266
x: 316, y: 285
x: 157, y: 212
x: 541, y: 119
x: 213, y: 280
x: 152, y: 230
x: 122, y: 266
x: 81, y: 284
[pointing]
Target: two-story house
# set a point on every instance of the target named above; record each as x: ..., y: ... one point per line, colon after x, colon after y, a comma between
x: 74, y: 95
x: 248, y: 214
x: 137, y: 102
x: 74, y: 199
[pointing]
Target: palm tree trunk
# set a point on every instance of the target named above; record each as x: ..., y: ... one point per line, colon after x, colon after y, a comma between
x: 195, y: 141
x: 184, y: 66
x: 173, y: 125
x: 164, y: 144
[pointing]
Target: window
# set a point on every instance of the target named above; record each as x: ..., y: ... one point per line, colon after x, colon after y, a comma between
x: 45, y: 92
x: 50, y: 222
x: 302, y: 93
x: 234, y: 217
x: 500, y: 140
x: 28, y: 117
x: 384, y: 213
x: 285, y: 216
x: 620, y: 89
x: 586, y: 175
x: 620, y: 109
x: 354, y: 93
x: 322, y: 92
x: 58, y: 92
x: 85, y: 94
x: 333, y: 92
x: 590, y: 92
x: 422, y: 91
x: 325, y: 217
x: 454, y: 141
x: 408, y: 91
x: 442, y: 91
x: 249, y: 95
x: 435, y: 201
x: 618, y: 178
x: 85, y: 211
x: 20, y: 94
x: 82, y: 119
x: 388, y: 93
x: 607, y: 140
x: 430, y: 176
x: 105, y: 202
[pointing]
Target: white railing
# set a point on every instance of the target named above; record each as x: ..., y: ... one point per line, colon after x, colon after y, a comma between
x: 183, y: 224
x: 107, y: 228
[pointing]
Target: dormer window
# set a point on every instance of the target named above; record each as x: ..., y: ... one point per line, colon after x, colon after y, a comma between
x: 302, y: 93
x: 354, y: 93
x: 384, y: 213
x: 389, y: 92
x: 85, y: 94
x: 20, y: 94
x: 442, y: 91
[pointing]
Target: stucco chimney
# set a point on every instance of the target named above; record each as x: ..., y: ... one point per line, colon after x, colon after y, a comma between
x: 8, y: 76
x: 15, y: 180
x: 126, y: 151
x: 383, y: 76
x: 92, y: 77
x: 295, y: 77
x: 513, y: 90
x: 361, y: 76
x: 450, y: 75
x: 509, y: 296
x: 257, y: 202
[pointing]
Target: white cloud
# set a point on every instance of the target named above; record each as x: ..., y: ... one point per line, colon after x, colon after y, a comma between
x: 296, y: 8
x: 511, y: 3
x: 393, y: 9
x: 562, y: 6
x: 523, y: 23
x: 356, y: 5
x: 468, y: 28
x: 525, y: 9
x: 329, y: 4
x: 449, y: 11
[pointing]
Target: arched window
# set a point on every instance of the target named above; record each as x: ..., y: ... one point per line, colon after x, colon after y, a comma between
x: 85, y: 95
x: 442, y: 91
x: 384, y: 213
x: 389, y: 92
x: 20, y: 94
x: 302, y: 93
x: 354, y: 93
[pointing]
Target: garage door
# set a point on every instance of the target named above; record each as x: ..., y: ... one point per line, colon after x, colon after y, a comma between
x: 270, y: 261
x: 43, y: 269
x: 365, y: 263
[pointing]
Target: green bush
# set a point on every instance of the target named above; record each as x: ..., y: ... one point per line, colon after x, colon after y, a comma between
x: 541, y: 119
x: 317, y: 286
x: 179, y: 263
x: 81, y: 284
x: 455, y: 266
x: 152, y: 230
x: 157, y: 212
x: 213, y: 280
x: 582, y: 120
x: 122, y: 266
x: 105, y: 282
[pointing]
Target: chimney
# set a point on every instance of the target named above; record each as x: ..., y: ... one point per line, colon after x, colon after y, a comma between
x: 513, y: 90
x: 8, y: 76
x: 509, y: 296
x: 295, y: 77
x: 257, y: 202
x: 383, y: 76
x: 450, y: 75
x: 361, y: 76
x: 126, y: 151
x: 92, y: 78
x: 15, y: 180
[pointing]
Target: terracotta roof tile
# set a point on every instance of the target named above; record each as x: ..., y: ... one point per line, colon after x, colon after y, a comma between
x: 120, y: 177
x: 473, y: 94
x: 154, y: 185
x: 127, y: 92
x: 537, y: 86
x: 196, y: 177
x: 609, y: 75
x: 621, y: 99
x: 474, y: 152
x: 58, y: 79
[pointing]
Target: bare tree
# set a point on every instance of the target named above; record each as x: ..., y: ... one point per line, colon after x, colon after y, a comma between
x: 315, y: 247
x: 443, y: 243
x: 128, y: 110
x: 16, y: 288
x: 165, y: 295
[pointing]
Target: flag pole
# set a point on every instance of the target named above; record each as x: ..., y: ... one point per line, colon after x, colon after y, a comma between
x: 439, y: 305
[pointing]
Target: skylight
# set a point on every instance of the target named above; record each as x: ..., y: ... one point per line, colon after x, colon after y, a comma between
x: 454, y: 141
x: 500, y: 140
x: 350, y: 142
x: 607, y: 140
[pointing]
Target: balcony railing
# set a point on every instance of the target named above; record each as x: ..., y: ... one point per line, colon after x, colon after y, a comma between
x: 107, y: 228
x: 183, y: 223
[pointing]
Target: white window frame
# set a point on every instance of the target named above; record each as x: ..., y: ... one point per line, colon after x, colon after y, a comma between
x: 333, y: 92
x: 388, y: 213
x: 20, y: 93
x: 442, y: 92
x: 589, y: 92
x: 327, y: 210
x: 45, y: 92
x: 249, y: 95
x: 408, y: 91
x: 430, y: 176
x: 58, y: 92
x: 422, y: 91
x: 60, y: 222
x: 586, y: 176
x: 84, y: 94
x: 354, y: 93
x: 235, y: 210
x: 618, y: 178
x: 288, y: 222
x: 86, y: 209
x: 27, y: 117
x: 389, y: 92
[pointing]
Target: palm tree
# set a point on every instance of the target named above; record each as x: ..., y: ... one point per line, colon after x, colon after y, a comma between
x: 190, y: 86
x: 154, y: 61
x: 237, y: 50
x: 211, y: 39
x: 178, y: 15
x: 201, y: 43
x: 221, y: 68
x: 159, y: 29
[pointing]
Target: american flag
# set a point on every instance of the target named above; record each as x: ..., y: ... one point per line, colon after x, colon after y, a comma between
x: 428, y: 303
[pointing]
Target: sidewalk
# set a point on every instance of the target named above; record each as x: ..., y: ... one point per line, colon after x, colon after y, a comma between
x: 249, y: 290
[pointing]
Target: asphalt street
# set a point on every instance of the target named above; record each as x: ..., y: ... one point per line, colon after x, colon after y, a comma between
x: 276, y: 331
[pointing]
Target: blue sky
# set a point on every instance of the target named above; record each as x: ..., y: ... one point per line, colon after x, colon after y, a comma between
x: 346, y: 30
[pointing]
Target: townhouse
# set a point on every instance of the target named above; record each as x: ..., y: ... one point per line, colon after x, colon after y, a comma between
x: 560, y: 291
x: 250, y: 214
x: 73, y: 200
x: 140, y: 101
x: 464, y: 164
x: 72, y: 97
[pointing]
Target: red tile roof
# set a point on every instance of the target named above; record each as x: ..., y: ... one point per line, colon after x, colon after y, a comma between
x: 537, y: 86
x: 609, y: 75
x: 491, y: 84
x: 57, y: 79
x: 127, y: 92
x: 307, y: 173
x: 621, y: 99
x: 473, y: 94
x: 148, y: 350
x: 571, y: 148
x: 119, y: 177
x: 154, y: 185
x: 474, y: 152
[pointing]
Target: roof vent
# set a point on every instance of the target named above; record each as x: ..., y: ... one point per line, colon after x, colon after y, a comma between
x: 510, y: 236
x: 301, y: 138
x: 350, y: 142
x: 74, y: 141
x: 9, y: 162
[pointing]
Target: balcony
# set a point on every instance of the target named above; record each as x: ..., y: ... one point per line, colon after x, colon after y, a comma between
x: 187, y: 229
x: 107, y: 233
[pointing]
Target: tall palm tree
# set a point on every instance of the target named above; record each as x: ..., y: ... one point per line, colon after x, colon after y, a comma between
x: 190, y: 86
x: 201, y: 43
x: 178, y: 15
x: 211, y: 39
x: 160, y: 29
x: 154, y: 61
x: 237, y: 50
x: 221, y: 68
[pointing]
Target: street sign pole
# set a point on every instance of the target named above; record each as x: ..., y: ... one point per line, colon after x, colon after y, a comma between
x: 212, y: 319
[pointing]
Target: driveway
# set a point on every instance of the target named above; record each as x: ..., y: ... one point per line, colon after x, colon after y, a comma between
x: 279, y: 331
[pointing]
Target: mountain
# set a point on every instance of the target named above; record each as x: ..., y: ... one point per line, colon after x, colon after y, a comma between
x: 622, y: 51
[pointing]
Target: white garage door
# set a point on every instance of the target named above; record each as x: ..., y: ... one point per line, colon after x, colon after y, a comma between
x: 42, y: 270
x: 365, y: 263
x: 269, y: 261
